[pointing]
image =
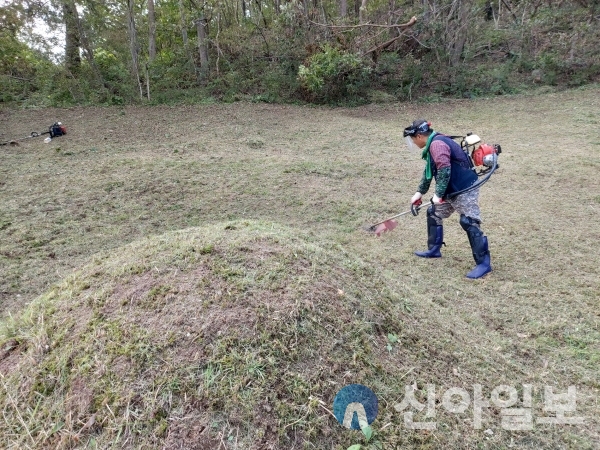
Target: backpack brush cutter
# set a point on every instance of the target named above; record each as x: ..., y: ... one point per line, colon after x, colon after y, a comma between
x: 483, y: 156
x: 54, y: 130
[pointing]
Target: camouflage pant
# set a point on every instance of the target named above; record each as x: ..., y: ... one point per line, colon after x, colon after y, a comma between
x: 467, y: 204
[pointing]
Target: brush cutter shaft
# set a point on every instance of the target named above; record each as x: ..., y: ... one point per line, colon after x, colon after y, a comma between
x: 417, y: 208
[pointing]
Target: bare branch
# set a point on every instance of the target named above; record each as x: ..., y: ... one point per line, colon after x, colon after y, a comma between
x: 408, y: 24
x: 384, y: 45
x: 18, y: 78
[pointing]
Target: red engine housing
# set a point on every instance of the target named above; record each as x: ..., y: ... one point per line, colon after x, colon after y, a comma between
x: 480, y: 152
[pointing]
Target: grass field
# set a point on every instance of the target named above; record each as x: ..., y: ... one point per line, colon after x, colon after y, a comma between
x: 249, y: 219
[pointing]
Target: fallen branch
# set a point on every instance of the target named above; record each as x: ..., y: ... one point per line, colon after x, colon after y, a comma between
x: 392, y: 40
x: 410, y: 23
x: 17, y: 78
x: 384, y: 45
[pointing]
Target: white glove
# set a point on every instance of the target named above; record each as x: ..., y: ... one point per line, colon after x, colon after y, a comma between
x: 416, y: 199
x: 436, y: 200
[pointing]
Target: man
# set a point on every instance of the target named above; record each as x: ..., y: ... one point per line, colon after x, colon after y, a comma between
x: 452, y: 170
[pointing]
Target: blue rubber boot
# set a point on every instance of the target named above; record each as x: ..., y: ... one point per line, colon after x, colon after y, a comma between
x: 482, y: 259
x: 479, y: 246
x: 435, y: 239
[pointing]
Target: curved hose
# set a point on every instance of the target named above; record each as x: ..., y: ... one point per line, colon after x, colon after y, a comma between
x: 478, y: 184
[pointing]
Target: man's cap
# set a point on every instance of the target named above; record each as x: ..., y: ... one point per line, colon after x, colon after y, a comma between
x: 419, y: 126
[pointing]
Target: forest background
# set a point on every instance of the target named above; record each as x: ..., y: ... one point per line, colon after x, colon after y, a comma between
x: 320, y: 51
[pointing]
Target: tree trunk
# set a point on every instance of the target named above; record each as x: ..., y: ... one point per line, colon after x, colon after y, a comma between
x: 343, y: 9
x: 201, y: 26
x: 133, y: 46
x: 362, y: 16
x: 183, y: 25
x: 72, y: 39
x: 460, y: 32
x: 394, y: 32
x: 151, y: 31
x: 260, y: 11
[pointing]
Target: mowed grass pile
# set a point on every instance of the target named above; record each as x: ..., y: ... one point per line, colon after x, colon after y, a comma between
x: 242, y: 225
x: 240, y: 332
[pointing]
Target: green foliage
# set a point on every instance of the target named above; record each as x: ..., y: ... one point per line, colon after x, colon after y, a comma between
x: 400, y: 75
x: 22, y: 69
x: 392, y: 339
x: 111, y: 67
x: 280, y: 83
x: 276, y: 54
x: 332, y: 75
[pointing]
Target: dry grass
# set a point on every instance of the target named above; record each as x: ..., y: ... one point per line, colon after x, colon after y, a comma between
x: 93, y: 361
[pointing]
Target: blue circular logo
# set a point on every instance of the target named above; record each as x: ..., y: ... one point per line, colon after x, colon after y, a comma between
x: 355, y: 406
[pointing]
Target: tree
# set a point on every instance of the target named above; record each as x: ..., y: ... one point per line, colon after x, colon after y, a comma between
x: 183, y: 26
x: 133, y: 45
x: 343, y: 9
x: 151, y: 31
x: 457, y: 27
x: 202, y: 26
x: 72, y: 38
